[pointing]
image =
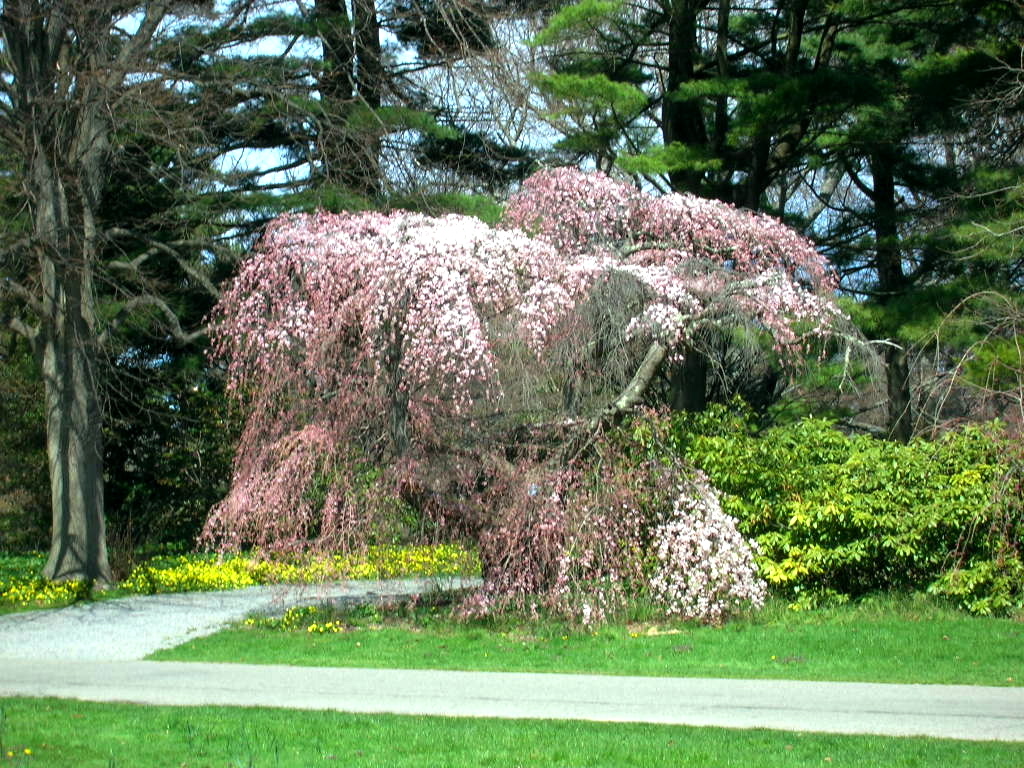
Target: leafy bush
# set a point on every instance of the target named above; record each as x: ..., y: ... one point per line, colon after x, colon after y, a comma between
x: 987, y: 573
x: 838, y: 516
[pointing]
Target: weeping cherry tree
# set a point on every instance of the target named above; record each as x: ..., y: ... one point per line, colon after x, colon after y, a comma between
x: 419, y: 343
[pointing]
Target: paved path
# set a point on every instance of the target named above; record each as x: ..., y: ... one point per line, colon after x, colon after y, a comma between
x: 92, y: 653
x: 134, y: 627
x: 950, y: 711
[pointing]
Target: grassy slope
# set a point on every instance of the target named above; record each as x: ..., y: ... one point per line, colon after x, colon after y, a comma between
x: 87, y: 735
x: 888, y: 641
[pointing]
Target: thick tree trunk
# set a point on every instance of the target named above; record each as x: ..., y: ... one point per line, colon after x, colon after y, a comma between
x: 897, y: 380
x: 74, y: 446
x: 67, y: 348
x: 683, y: 121
x: 688, y: 384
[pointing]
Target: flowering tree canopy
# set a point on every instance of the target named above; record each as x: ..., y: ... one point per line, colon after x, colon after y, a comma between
x: 388, y: 338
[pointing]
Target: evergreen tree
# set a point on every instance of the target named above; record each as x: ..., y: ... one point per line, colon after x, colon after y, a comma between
x: 836, y: 116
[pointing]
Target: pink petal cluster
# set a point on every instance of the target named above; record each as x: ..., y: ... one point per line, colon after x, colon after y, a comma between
x: 406, y: 298
x: 705, y: 567
x: 583, y: 544
x: 711, y: 261
x: 373, y: 337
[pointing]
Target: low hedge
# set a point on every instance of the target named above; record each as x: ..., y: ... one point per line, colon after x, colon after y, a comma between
x: 838, y: 515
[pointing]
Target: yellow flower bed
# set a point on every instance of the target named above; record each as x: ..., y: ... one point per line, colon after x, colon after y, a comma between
x: 186, y: 574
x: 190, y: 575
x: 39, y: 592
x: 200, y: 573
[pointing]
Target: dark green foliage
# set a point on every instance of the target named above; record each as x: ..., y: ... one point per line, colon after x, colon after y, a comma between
x: 476, y: 157
x: 24, y: 482
x: 168, y: 436
x: 859, y: 121
x: 840, y: 516
x: 169, y: 458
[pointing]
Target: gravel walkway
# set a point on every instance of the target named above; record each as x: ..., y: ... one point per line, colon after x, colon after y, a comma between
x: 134, y: 627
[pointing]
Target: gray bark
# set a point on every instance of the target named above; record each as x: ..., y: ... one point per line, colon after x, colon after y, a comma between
x: 63, y: 78
x: 638, y: 385
x: 897, y: 380
x: 65, y: 232
x: 74, y: 449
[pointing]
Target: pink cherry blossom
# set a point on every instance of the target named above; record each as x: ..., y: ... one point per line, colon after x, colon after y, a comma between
x: 418, y: 346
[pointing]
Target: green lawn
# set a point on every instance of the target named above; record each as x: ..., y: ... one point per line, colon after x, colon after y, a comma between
x: 60, y: 733
x: 900, y: 640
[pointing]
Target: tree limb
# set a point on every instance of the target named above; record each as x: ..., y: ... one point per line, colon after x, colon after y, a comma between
x: 637, y: 387
x: 173, y: 324
x: 171, y: 249
x: 10, y: 287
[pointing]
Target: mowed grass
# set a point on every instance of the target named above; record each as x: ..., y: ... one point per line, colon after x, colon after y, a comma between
x: 61, y: 733
x: 893, y: 639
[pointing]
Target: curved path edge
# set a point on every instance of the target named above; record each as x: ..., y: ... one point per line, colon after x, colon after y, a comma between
x: 131, y: 628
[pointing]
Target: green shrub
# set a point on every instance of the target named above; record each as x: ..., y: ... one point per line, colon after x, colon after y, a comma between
x: 839, y: 516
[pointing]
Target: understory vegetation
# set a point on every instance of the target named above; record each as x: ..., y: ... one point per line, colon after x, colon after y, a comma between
x: 698, y: 516
x: 837, y: 516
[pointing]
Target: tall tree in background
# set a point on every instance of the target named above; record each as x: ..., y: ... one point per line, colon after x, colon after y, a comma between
x: 900, y: 157
x: 355, y: 104
x: 835, y: 116
x: 78, y: 78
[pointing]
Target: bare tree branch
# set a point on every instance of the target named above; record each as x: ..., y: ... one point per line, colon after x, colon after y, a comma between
x: 18, y: 291
x: 161, y: 306
x: 171, y: 249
